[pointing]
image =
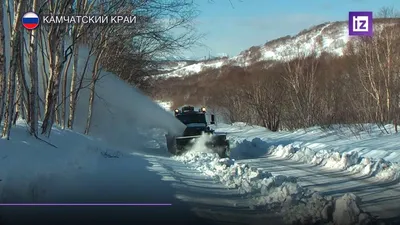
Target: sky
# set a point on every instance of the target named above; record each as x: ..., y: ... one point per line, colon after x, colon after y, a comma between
x: 230, y: 29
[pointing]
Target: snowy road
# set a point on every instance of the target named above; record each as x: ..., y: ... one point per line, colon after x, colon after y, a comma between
x: 115, y: 181
x: 299, y: 154
x: 379, y: 198
x: 202, y: 188
x: 208, y: 198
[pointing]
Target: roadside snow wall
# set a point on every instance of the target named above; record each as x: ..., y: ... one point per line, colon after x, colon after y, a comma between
x: 281, y: 194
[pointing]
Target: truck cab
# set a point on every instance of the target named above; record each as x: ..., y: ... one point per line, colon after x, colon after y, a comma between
x: 196, y: 125
x: 195, y: 121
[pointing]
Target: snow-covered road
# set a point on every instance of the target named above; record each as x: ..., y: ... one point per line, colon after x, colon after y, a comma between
x: 208, y: 198
x: 202, y: 188
x: 381, y: 198
x: 84, y: 169
x: 330, y: 162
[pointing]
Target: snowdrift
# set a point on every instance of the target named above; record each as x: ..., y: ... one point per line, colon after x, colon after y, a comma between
x: 368, y: 153
x: 281, y: 194
x: 81, y: 170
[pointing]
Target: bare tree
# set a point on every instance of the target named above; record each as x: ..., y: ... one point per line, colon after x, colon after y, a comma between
x: 95, y: 77
x: 34, y: 78
x: 3, y: 62
x: 77, y: 85
x: 265, y: 94
x: 77, y: 30
x: 22, y: 95
x: 100, y: 45
x: 15, y: 30
x: 139, y: 45
x: 57, y: 59
x: 376, y: 62
x: 300, y: 75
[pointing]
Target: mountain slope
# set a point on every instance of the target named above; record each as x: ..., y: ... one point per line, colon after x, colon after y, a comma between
x: 330, y: 37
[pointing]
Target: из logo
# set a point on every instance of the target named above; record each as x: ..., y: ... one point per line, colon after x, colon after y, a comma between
x: 360, y: 24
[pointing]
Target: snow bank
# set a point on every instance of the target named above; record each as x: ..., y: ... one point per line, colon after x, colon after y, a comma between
x: 351, y: 161
x: 29, y: 167
x: 370, y: 152
x: 81, y: 169
x: 279, y: 193
x: 347, y: 217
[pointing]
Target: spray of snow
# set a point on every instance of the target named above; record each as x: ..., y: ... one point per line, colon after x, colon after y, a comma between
x: 122, y: 115
x: 199, y: 143
x: 280, y: 193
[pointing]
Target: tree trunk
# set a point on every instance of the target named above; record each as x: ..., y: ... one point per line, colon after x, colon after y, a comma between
x: 72, y: 91
x: 95, y: 73
x: 34, y: 90
x: 15, y: 51
x: 90, y: 109
x: 64, y: 94
x: 45, y: 75
x: 18, y: 102
x: 22, y: 86
x: 56, y: 63
x: 3, y: 62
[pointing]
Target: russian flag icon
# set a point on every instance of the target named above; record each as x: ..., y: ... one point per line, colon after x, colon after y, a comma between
x: 30, y: 20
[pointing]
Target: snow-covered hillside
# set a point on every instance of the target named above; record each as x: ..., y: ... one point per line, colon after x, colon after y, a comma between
x: 194, y: 68
x: 328, y: 37
x: 331, y: 37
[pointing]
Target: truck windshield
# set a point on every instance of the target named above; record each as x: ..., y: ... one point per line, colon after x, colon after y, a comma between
x: 193, y: 118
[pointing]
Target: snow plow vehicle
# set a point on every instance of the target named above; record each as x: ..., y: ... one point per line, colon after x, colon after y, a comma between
x: 196, y: 126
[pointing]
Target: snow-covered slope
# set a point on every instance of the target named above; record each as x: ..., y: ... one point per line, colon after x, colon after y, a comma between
x: 331, y: 37
x: 194, y: 68
x: 328, y: 37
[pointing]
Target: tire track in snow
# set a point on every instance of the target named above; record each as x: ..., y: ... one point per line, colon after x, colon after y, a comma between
x: 209, y: 198
x: 379, y: 198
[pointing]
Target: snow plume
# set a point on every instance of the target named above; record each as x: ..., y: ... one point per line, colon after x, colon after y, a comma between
x: 120, y: 112
x: 199, y: 145
x: 282, y: 194
x: 350, y: 161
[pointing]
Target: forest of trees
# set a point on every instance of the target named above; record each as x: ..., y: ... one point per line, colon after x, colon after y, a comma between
x: 124, y: 49
x: 361, y: 86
